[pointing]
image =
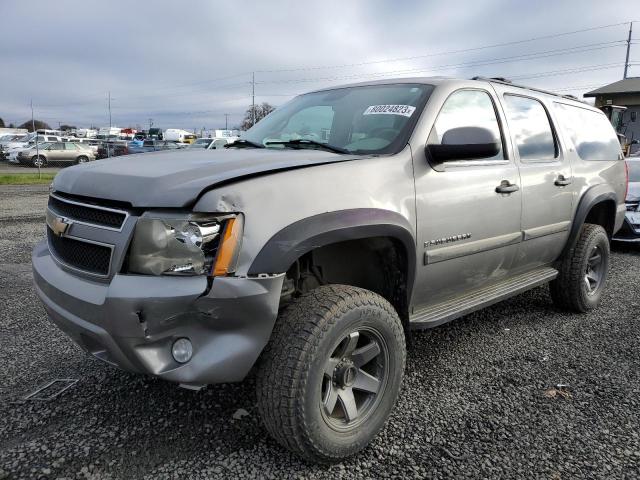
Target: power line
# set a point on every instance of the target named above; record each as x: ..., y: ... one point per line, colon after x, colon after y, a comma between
x: 476, y: 63
x: 567, y: 71
x: 450, y: 52
x: 355, y: 64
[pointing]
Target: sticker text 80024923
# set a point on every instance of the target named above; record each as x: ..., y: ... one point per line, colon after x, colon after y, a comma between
x: 404, y: 110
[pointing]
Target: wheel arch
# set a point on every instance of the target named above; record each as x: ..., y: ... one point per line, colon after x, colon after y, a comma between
x: 312, y: 233
x: 598, y: 206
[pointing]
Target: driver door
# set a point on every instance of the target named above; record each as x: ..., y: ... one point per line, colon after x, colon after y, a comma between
x: 468, y: 232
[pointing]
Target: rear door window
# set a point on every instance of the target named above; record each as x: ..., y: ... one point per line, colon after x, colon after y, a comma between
x: 529, y: 124
x: 590, y: 132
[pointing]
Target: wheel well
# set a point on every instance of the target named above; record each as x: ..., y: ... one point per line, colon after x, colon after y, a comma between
x: 378, y: 264
x: 603, y: 214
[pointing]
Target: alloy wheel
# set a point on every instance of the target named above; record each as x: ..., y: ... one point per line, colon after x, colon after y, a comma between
x: 594, y: 270
x: 355, y: 376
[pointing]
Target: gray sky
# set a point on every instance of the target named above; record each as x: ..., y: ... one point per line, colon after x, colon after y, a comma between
x: 185, y: 64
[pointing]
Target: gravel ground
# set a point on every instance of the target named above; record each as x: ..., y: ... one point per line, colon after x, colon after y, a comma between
x: 473, y: 404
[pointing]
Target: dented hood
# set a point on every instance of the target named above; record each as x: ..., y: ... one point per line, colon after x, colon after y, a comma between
x: 176, y: 178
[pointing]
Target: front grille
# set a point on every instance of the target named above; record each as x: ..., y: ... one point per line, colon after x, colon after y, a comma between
x: 88, y: 214
x: 85, y: 256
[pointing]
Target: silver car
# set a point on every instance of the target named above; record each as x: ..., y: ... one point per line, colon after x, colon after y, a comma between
x: 312, y: 246
x: 54, y: 153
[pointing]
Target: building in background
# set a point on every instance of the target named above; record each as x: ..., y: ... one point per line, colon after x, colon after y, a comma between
x: 625, y: 93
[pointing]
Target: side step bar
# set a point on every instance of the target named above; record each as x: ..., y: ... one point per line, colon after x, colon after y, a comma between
x: 462, y: 305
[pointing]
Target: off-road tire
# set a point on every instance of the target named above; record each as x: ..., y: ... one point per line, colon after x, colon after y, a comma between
x: 292, y: 366
x: 569, y: 290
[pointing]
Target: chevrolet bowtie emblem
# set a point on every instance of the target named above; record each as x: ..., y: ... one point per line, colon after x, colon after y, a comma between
x: 58, y: 225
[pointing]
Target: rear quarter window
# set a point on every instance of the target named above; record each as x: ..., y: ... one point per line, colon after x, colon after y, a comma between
x: 590, y: 132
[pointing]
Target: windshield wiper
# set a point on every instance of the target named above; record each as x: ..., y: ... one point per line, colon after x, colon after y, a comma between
x: 302, y: 142
x: 244, y: 143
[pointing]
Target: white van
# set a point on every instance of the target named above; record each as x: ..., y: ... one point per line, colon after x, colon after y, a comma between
x: 86, y: 133
x: 109, y: 132
x: 179, y: 135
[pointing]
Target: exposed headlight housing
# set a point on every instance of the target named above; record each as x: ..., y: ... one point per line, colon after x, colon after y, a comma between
x: 185, y: 246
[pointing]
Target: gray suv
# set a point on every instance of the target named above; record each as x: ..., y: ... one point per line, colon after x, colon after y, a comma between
x: 310, y: 248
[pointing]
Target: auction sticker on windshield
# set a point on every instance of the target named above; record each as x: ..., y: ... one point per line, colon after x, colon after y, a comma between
x: 404, y: 110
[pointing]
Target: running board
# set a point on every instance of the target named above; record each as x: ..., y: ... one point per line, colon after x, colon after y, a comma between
x: 462, y: 305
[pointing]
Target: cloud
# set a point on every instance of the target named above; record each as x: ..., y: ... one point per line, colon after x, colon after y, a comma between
x: 186, y: 64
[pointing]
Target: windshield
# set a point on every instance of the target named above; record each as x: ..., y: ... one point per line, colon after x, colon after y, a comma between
x: 201, y: 143
x: 374, y: 119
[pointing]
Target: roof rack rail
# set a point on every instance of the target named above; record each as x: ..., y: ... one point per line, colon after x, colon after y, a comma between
x: 505, y: 81
x: 493, y: 79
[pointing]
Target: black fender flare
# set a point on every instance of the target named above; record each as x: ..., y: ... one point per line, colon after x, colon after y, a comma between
x: 298, y: 238
x: 593, y: 196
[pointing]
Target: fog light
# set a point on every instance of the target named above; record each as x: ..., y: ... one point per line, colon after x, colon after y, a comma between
x: 182, y: 350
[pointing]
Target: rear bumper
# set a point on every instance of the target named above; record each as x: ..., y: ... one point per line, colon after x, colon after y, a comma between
x: 132, y: 321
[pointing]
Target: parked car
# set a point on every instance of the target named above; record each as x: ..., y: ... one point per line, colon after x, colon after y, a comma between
x: 91, y: 143
x: 630, y: 231
x: 14, y: 148
x: 153, y: 146
x: 55, y: 152
x: 11, y: 139
x: 155, y: 133
x: 113, y: 148
x: 212, y: 143
x: 313, y: 245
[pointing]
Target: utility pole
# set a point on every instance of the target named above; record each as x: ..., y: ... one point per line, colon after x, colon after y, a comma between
x: 33, y: 127
x: 253, y: 98
x: 626, y: 62
x: 226, y: 121
x: 109, y: 134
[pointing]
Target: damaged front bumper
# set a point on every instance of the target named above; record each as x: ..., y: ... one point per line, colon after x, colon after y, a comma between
x: 133, y: 320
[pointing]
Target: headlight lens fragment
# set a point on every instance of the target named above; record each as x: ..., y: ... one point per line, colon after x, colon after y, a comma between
x: 174, y: 246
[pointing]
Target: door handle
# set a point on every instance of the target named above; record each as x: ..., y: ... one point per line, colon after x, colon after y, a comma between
x: 507, y: 187
x: 561, y: 181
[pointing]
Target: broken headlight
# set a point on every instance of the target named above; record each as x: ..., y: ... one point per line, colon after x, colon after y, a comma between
x: 181, y: 246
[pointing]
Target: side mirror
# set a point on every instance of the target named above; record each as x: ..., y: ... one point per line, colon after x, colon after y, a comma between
x: 464, y: 143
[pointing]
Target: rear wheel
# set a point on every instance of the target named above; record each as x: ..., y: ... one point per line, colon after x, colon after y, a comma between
x: 331, y: 373
x: 583, y: 272
x: 38, y: 161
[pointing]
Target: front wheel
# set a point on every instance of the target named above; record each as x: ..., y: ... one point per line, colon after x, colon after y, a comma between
x: 82, y: 159
x: 331, y: 373
x: 583, y: 271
